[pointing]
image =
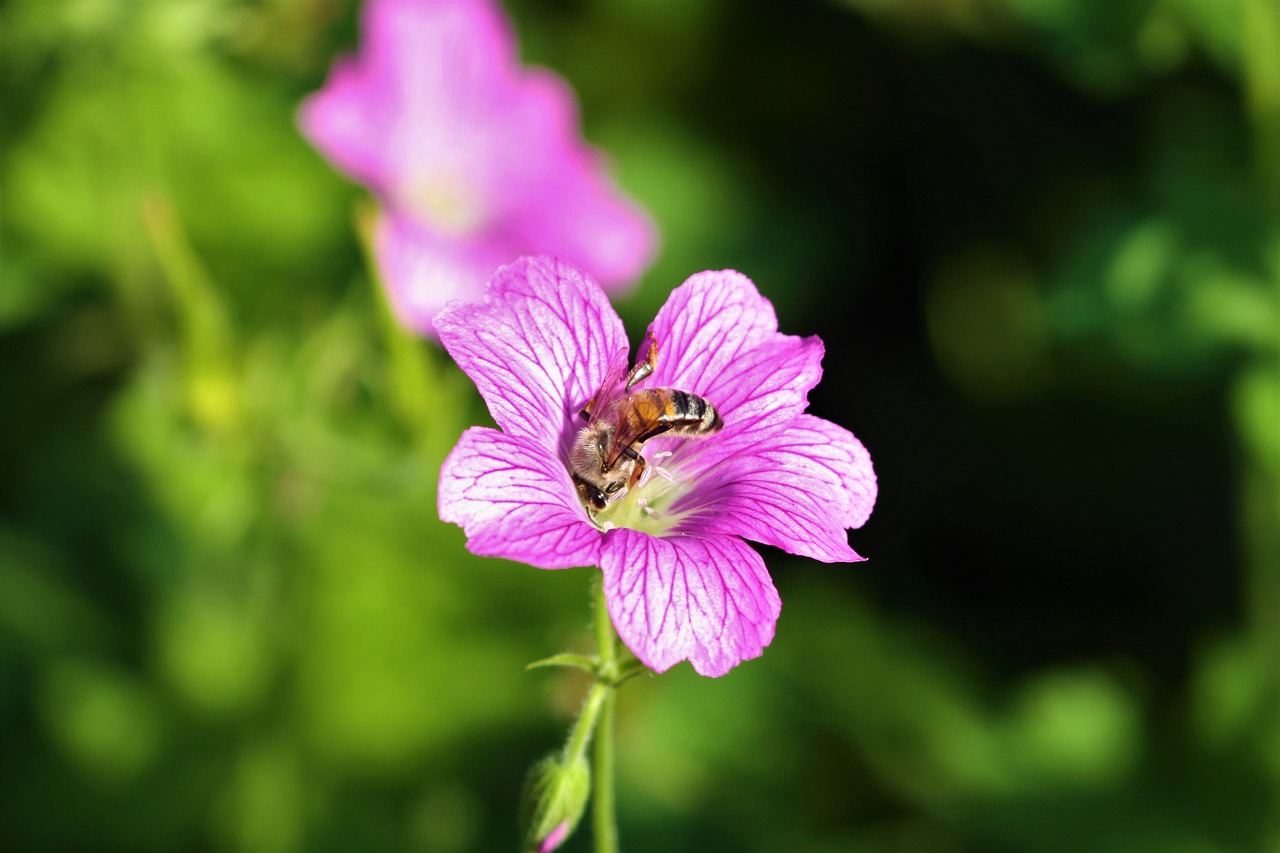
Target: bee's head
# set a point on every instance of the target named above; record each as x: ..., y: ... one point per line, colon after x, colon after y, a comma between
x: 599, y: 496
x: 590, y: 494
x: 596, y: 487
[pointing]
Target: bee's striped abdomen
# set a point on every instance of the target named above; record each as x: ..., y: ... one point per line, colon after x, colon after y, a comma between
x: 684, y: 413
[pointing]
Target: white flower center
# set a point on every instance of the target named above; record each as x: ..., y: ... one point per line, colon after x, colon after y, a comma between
x: 647, y: 506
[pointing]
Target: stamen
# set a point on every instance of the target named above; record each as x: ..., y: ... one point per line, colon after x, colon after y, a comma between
x: 658, y: 469
x: 645, y: 508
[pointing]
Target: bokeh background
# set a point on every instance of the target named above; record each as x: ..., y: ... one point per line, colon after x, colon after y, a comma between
x: 1041, y: 240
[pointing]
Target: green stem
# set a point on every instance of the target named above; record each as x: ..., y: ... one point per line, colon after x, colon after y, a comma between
x: 585, y: 725
x: 603, y: 818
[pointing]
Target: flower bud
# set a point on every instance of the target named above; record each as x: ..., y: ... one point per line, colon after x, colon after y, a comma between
x: 555, y: 797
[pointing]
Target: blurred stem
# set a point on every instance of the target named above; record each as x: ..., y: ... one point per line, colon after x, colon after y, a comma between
x: 1260, y: 26
x: 212, y: 383
x: 1261, y: 509
x: 412, y: 373
x: 200, y: 311
x: 603, y: 806
x: 1257, y: 394
x: 1260, y: 31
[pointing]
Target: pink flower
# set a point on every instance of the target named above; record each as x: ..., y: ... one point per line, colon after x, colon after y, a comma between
x: 680, y: 582
x: 474, y: 159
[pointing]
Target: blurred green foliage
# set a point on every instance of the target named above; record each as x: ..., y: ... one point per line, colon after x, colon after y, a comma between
x: 1041, y: 242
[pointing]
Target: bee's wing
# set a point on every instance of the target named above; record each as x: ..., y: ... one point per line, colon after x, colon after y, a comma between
x: 640, y: 421
x: 610, y: 387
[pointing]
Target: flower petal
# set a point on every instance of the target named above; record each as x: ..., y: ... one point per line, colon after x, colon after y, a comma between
x: 537, y: 348
x: 718, y: 337
x: 515, y: 503
x: 705, y: 599
x: 707, y: 322
x: 845, y: 455
x: 337, y: 122
x: 452, y: 95
x: 409, y: 102
x: 570, y: 207
x: 457, y: 52
x: 798, y: 490
x: 423, y: 270
x: 586, y: 217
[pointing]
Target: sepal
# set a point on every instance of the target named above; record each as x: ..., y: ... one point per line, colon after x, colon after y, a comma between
x: 555, y: 797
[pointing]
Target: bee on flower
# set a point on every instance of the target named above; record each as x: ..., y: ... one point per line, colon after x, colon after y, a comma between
x: 606, y: 457
x: 666, y: 483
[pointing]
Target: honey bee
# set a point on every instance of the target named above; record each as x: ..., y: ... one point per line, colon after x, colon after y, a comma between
x: 605, y: 458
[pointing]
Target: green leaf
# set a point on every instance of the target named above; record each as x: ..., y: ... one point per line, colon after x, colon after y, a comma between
x: 585, y: 663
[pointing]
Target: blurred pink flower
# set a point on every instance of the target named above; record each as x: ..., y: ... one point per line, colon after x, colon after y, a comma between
x: 679, y: 581
x: 474, y: 159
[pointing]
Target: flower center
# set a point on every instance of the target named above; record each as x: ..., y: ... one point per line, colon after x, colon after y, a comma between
x: 447, y: 204
x: 647, y: 506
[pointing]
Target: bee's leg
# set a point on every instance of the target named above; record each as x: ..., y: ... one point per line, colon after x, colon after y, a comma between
x: 638, y: 469
x: 645, y: 368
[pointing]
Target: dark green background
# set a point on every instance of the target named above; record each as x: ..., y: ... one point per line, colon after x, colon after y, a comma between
x: 1040, y: 240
